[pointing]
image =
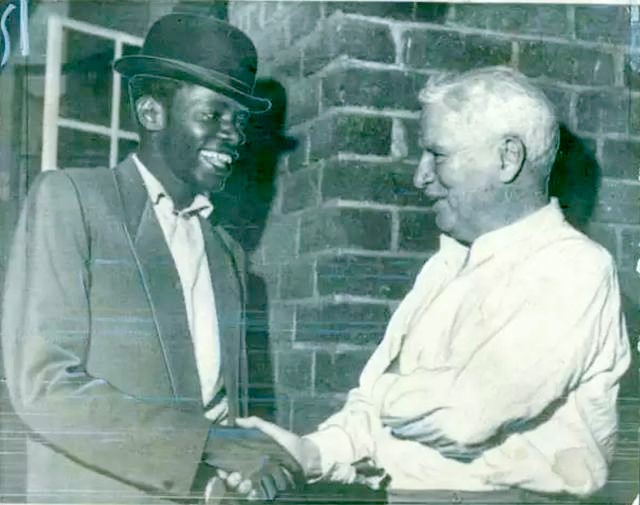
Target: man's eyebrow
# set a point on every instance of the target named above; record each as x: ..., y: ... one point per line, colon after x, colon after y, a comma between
x: 437, y: 148
x: 431, y: 147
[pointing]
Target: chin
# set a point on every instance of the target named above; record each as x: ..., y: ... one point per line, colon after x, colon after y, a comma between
x: 211, y: 184
x: 447, y: 225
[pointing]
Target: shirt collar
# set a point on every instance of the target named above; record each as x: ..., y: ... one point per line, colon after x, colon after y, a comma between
x: 201, y: 204
x: 506, y: 237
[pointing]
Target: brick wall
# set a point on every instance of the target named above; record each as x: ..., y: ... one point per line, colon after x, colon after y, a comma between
x: 346, y: 233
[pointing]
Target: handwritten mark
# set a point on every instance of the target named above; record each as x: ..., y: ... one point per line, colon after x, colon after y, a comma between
x: 24, y: 31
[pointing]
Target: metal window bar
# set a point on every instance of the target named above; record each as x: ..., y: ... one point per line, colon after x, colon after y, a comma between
x: 51, y: 118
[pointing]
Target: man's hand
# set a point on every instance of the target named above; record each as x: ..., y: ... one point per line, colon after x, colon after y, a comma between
x: 274, y: 477
x: 251, y: 461
x: 264, y: 486
x: 302, y: 450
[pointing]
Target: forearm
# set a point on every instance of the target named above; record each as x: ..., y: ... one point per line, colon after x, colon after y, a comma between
x: 347, y: 436
x: 154, y: 447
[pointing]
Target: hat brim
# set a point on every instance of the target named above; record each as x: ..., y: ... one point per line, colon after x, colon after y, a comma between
x: 139, y: 64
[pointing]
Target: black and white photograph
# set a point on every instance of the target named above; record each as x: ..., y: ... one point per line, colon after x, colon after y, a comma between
x: 319, y: 252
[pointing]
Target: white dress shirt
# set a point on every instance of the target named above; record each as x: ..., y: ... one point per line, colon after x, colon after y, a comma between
x: 183, y: 234
x: 524, y: 325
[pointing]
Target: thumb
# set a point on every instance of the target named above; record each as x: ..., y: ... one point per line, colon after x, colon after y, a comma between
x: 272, y: 430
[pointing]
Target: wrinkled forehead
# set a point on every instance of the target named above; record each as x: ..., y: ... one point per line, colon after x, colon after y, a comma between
x: 449, y: 128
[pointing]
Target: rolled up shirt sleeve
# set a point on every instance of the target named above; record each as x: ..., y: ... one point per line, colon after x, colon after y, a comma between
x: 347, y: 436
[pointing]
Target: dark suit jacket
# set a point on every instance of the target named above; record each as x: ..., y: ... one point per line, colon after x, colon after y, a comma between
x: 97, y: 351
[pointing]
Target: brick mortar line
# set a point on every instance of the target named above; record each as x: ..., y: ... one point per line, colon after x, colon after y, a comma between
x: 573, y: 108
x: 625, y: 227
x: 294, y: 323
x: 618, y: 245
x: 366, y: 253
x: 368, y: 158
x: 321, y: 397
x: 395, y: 230
x: 313, y: 372
x: 316, y: 165
x: 468, y: 30
x: 290, y: 408
x: 333, y: 300
x: 631, y: 137
x: 278, y: 281
x: 314, y: 265
x: 341, y: 348
x: 515, y: 54
x: 303, y: 127
x: 571, y: 19
x: 621, y: 181
x: 396, y: 35
x: 599, y: 148
x: 297, y: 231
x: 618, y: 69
x: 342, y: 62
x: 340, y: 203
x: 319, y: 182
x: 343, y: 203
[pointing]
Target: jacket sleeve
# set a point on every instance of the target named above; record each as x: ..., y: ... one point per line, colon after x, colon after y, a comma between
x: 240, y: 264
x: 46, y: 331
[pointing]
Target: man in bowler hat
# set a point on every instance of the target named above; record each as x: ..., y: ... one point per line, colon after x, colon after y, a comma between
x: 123, y: 324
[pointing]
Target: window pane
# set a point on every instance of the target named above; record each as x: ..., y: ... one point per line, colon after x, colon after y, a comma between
x: 127, y: 121
x: 126, y: 147
x: 87, y: 78
x: 77, y: 149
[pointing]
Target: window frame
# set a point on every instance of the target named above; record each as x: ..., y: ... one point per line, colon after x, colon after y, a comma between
x: 51, y: 120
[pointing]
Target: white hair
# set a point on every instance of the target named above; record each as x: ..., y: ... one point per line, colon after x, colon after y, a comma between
x: 503, y: 102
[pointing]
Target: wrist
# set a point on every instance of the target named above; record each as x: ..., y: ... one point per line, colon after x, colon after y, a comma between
x: 311, y: 459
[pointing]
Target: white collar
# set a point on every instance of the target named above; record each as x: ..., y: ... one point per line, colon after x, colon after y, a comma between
x: 201, y: 204
x: 489, y: 243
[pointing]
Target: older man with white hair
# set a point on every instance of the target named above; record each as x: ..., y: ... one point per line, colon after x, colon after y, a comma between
x: 499, y: 370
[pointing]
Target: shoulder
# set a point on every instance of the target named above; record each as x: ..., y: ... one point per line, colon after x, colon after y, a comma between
x: 61, y: 182
x: 572, y: 258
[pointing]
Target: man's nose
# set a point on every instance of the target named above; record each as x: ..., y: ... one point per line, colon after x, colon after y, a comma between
x: 424, y: 173
x: 230, y: 131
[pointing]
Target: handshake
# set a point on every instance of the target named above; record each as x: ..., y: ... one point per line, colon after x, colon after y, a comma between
x: 258, y: 460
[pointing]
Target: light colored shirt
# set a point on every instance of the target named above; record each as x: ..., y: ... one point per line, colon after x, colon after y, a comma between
x: 183, y: 234
x: 515, y: 345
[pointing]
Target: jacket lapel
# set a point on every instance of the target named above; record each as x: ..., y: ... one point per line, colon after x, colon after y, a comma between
x: 228, y: 299
x: 161, y: 282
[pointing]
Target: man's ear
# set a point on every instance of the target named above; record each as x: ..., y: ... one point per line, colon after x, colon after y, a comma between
x: 151, y: 113
x: 512, y: 156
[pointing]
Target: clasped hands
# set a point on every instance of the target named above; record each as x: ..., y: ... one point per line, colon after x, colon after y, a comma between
x: 258, y: 460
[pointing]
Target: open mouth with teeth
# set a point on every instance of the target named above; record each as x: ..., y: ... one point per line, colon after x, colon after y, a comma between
x: 216, y: 160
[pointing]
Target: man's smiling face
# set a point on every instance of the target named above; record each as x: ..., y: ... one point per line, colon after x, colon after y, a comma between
x: 458, y: 170
x: 203, y: 133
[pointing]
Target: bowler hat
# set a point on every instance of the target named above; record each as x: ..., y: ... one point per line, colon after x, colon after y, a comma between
x: 200, y: 50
